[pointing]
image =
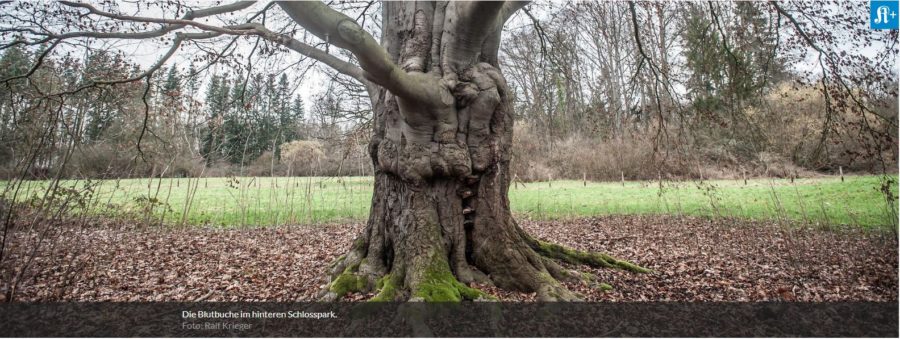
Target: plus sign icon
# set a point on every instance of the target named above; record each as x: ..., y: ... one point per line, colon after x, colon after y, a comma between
x: 884, y: 15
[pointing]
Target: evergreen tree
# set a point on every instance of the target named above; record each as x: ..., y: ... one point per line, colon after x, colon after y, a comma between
x: 285, y: 131
x: 235, y: 132
x: 173, y: 81
x: 104, y: 108
x: 14, y: 62
x: 295, y: 117
x: 216, y: 107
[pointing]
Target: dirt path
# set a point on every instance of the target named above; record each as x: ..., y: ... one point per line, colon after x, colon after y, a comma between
x: 693, y: 260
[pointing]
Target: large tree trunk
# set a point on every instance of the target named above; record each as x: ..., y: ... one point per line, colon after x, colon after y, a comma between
x: 440, y: 216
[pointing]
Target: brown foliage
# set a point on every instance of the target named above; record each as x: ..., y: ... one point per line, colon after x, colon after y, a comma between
x: 694, y: 259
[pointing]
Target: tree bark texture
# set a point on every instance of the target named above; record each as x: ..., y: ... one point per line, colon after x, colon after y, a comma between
x: 440, y: 217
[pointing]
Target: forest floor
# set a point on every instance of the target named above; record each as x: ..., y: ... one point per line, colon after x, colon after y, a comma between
x: 692, y: 258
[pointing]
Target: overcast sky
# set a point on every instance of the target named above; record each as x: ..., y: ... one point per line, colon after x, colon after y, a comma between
x: 147, y: 52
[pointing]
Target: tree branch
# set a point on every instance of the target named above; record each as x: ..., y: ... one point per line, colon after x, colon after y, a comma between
x: 342, y: 31
x: 654, y: 70
x: 831, y: 62
x: 468, y: 25
x: 179, y: 38
x: 164, y: 30
x: 307, y: 50
x: 172, y: 24
x: 37, y: 64
x: 491, y: 45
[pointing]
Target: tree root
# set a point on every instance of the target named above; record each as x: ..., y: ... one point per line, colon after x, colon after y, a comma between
x: 433, y: 283
x: 576, y: 257
x: 437, y: 284
x: 551, y: 254
x: 427, y: 274
x: 553, y: 290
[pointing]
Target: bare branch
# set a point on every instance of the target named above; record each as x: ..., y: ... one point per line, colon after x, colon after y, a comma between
x: 179, y: 38
x: 653, y: 68
x: 172, y: 24
x: 828, y: 58
x: 491, y: 45
x: 234, y: 39
x: 37, y: 64
x: 471, y: 23
x: 183, y: 22
x: 511, y: 7
x: 146, y: 117
x: 307, y: 50
x: 340, y: 30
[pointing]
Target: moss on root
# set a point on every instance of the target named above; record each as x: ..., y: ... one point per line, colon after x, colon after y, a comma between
x: 348, y: 282
x: 593, y: 259
x: 337, y: 261
x: 439, y: 285
x: 605, y: 287
x: 359, y: 243
x: 387, y: 288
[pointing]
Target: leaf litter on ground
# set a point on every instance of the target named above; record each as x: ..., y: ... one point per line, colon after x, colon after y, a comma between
x: 693, y: 259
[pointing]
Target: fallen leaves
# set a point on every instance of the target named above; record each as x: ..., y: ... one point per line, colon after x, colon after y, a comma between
x: 698, y: 259
x: 693, y: 259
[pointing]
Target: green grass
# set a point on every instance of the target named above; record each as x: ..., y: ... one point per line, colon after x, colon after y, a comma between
x: 857, y: 201
x: 272, y: 201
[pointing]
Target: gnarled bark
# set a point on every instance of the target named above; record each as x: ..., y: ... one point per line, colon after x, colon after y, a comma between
x: 440, y: 216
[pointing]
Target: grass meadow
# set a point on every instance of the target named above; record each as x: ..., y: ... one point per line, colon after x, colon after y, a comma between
x: 263, y: 201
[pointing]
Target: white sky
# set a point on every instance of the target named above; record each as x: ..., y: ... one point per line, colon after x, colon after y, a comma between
x: 147, y: 52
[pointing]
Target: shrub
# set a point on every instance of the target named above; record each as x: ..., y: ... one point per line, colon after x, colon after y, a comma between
x: 303, y: 157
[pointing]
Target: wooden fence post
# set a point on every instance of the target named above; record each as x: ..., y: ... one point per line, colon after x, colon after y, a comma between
x: 841, y: 169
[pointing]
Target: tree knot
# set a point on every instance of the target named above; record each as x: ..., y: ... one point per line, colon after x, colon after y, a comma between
x: 350, y: 31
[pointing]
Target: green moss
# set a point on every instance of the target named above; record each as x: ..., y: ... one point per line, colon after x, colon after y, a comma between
x: 469, y: 293
x: 337, y: 261
x: 346, y: 283
x: 439, y: 284
x: 359, y: 243
x: 438, y: 291
x: 623, y: 264
x: 605, y: 287
x: 387, y: 288
x: 379, y: 284
x: 355, y: 267
x: 573, y: 256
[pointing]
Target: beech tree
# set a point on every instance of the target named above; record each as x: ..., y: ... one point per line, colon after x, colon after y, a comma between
x: 440, y: 216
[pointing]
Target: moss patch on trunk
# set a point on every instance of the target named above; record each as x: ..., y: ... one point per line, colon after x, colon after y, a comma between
x: 387, y: 288
x: 439, y: 285
x: 348, y: 282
